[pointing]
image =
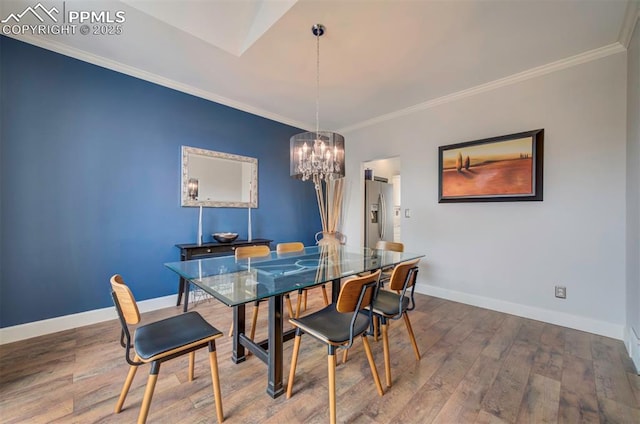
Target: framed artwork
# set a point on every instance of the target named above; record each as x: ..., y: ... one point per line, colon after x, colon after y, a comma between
x: 499, y: 169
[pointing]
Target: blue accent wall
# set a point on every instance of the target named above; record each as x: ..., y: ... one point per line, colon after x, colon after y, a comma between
x: 90, y: 182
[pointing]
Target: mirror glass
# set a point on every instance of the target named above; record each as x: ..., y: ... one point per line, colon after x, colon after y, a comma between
x: 217, y: 179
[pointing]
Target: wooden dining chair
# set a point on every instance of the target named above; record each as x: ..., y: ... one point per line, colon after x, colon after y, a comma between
x: 250, y: 252
x: 392, y: 246
x: 393, y: 304
x: 297, y: 247
x: 160, y: 341
x: 337, y: 325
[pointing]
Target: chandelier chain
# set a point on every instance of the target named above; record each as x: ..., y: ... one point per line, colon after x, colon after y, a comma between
x: 317, y: 155
x: 318, y: 82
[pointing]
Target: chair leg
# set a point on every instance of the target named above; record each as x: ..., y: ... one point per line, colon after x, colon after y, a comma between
x: 411, y: 335
x: 375, y: 327
x: 300, y: 296
x: 324, y: 295
x: 254, y: 320
x: 372, y: 365
x: 345, y: 355
x: 294, y: 362
x: 231, y: 329
x: 385, y: 346
x: 215, y: 379
x: 289, y: 307
x: 148, y: 392
x: 127, y: 385
x: 192, y: 361
x: 305, y: 300
x: 331, y: 362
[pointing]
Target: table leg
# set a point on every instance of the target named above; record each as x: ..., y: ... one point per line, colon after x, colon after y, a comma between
x: 237, y: 355
x: 186, y: 296
x: 335, y: 290
x: 276, y: 340
x: 180, y: 291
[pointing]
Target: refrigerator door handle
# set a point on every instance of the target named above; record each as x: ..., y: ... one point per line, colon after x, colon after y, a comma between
x: 382, y: 222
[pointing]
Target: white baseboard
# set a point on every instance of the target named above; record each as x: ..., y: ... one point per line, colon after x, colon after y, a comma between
x: 553, y: 317
x: 67, y: 322
x: 632, y: 342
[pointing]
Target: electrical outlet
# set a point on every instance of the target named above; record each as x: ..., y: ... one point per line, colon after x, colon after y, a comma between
x: 561, y: 292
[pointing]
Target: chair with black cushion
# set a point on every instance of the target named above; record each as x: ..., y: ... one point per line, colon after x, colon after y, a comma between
x: 283, y: 249
x: 160, y: 341
x: 392, y: 246
x: 394, y: 303
x: 252, y: 252
x: 337, y: 325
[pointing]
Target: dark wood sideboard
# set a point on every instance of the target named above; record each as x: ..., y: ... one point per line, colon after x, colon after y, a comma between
x: 206, y: 250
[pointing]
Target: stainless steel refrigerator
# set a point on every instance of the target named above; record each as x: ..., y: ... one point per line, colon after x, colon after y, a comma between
x: 378, y: 209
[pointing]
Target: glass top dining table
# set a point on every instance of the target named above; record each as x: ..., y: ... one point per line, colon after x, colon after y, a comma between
x: 236, y: 282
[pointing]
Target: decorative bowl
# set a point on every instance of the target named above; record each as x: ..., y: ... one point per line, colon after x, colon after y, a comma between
x: 225, y: 237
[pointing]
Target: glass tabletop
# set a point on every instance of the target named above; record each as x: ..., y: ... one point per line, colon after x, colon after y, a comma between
x: 235, y: 282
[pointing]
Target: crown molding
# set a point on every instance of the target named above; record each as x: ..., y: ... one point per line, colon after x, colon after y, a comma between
x: 153, y: 78
x: 502, y: 82
x: 631, y: 16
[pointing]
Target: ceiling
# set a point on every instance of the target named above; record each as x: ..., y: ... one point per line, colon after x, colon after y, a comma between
x: 378, y: 58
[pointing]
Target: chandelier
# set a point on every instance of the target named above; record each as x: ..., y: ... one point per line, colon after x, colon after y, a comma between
x: 317, y: 155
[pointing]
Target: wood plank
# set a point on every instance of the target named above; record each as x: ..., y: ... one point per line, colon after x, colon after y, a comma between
x: 485, y: 417
x: 505, y: 395
x: 407, y: 384
x: 540, y: 401
x: 616, y: 412
x: 578, y: 343
x: 611, y: 379
x: 40, y: 403
x: 530, y: 332
x: 503, y: 338
x: 578, y: 398
x: 439, y: 388
x: 634, y: 382
x: 465, y: 402
x: 549, y: 355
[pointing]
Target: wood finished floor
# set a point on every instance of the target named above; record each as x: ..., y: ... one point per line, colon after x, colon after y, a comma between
x: 478, y: 366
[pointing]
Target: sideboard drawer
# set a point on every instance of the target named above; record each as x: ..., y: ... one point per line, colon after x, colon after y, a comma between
x: 211, y: 251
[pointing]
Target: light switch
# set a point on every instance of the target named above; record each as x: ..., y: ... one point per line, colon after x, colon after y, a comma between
x: 407, y: 213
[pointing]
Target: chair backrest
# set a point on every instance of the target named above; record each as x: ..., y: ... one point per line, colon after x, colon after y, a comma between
x: 400, y: 274
x: 291, y: 247
x: 394, y: 246
x: 244, y: 252
x: 126, y: 303
x: 357, y: 293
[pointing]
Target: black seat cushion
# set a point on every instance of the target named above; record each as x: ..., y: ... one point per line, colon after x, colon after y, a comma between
x: 332, y: 326
x: 386, y: 304
x: 171, y: 333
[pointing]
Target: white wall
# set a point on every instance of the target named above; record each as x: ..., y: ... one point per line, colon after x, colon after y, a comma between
x: 632, y: 336
x: 508, y: 256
